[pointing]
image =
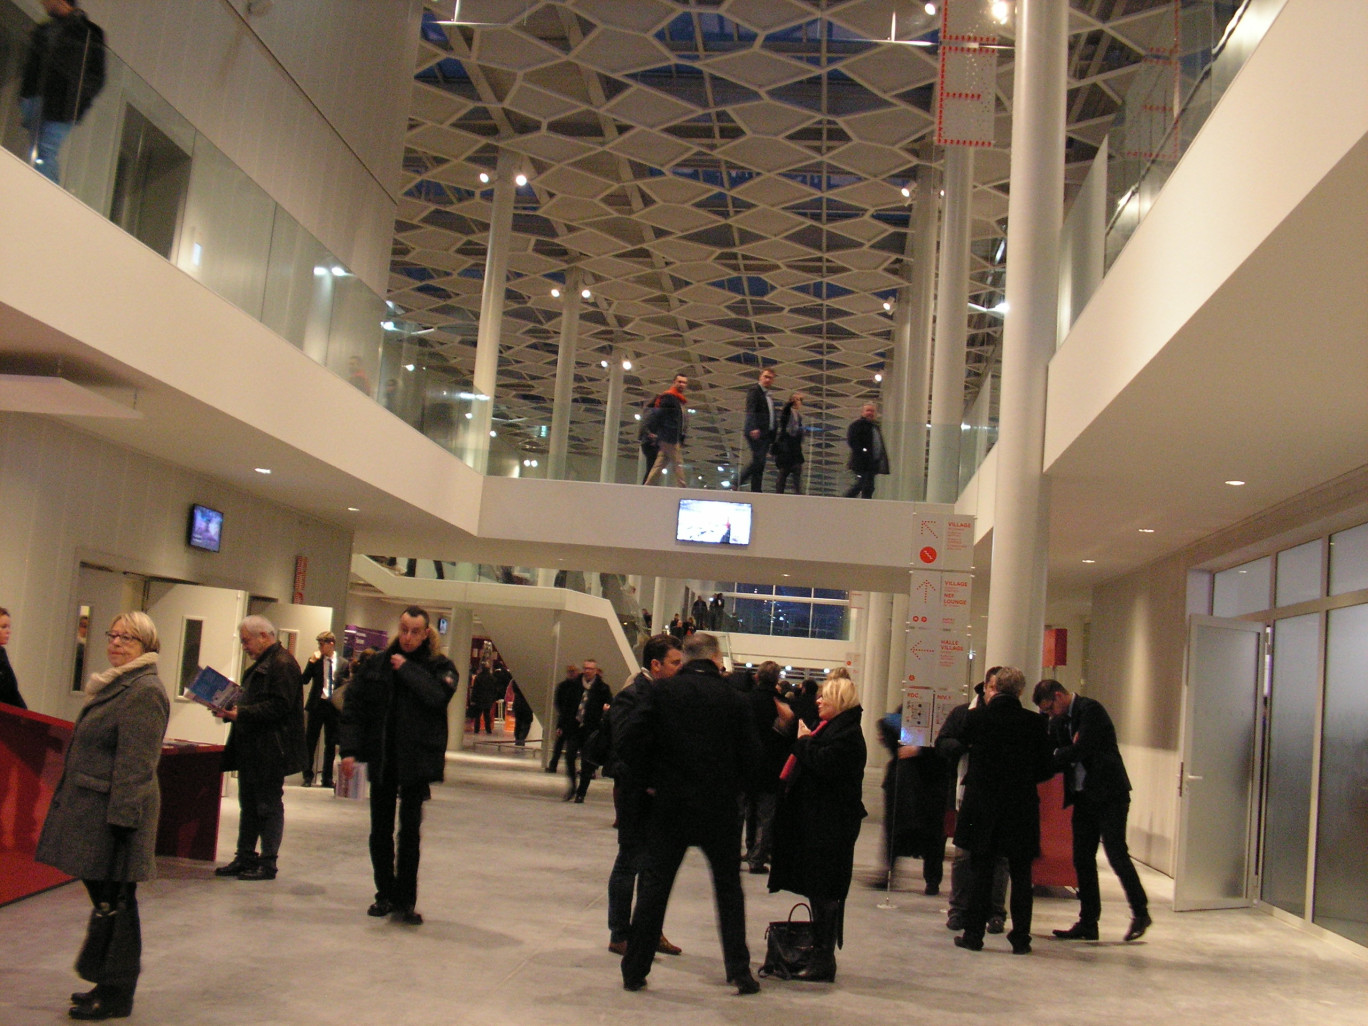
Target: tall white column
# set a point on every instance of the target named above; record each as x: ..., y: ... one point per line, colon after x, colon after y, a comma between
x: 491, y: 311
x: 922, y: 293
x: 874, y: 680
x: 563, y: 400
x: 661, y: 609
x: 458, y: 651
x: 952, y: 312
x: 612, y: 420
x: 897, y: 635
x: 1016, y: 600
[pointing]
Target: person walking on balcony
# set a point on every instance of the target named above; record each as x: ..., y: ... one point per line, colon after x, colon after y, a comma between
x: 868, y: 456
x: 63, y: 73
x: 761, y: 419
x: 666, y: 422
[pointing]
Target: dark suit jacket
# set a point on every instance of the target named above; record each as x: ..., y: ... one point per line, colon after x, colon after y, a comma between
x: 312, y: 678
x: 758, y: 415
x: 1009, y: 754
x: 860, y: 437
x: 567, y: 699
x: 692, y: 740
x: 1104, y: 773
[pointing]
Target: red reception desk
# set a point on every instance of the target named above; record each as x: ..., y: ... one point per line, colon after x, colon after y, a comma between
x: 32, y: 747
x: 1054, y: 868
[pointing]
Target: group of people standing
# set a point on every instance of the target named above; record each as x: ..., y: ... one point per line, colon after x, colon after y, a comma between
x: 770, y: 429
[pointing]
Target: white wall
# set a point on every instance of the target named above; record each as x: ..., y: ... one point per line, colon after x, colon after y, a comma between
x: 69, y: 497
x: 308, y: 98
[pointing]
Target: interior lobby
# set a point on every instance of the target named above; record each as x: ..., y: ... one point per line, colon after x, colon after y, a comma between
x: 265, y: 283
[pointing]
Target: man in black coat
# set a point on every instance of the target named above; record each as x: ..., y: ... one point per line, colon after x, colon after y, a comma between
x: 661, y: 658
x: 1009, y: 754
x: 1096, y: 785
x: 776, y: 738
x: 265, y: 745
x: 868, y: 456
x: 63, y: 73
x: 692, y: 742
x: 395, y: 721
x: 761, y: 421
x: 914, y: 806
x: 580, y: 702
x: 319, y: 710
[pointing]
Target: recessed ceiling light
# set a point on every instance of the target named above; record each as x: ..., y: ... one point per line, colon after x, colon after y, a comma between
x: 353, y: 509
x: 1090, y: 561
x: 262, y: 470
x: 521, y: 180
x: 1235, y: 484
x: 1146, y: 530
x: 555, y: 293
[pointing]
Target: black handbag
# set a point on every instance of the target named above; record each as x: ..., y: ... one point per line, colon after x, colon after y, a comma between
x: 788, y: 945
x: 112, y: 952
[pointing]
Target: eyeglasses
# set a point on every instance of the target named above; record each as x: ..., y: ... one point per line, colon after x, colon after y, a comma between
x: 124, y: 638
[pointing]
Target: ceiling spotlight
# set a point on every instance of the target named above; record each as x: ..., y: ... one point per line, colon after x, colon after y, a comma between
x: 1235, y: 484
x: 353, y: 509
x: 906, y: 192
x: 603, y: 364
x: 470, y: 416
x: 534, y: 463
x: 1001, y: 11
x: 638, y: 416
x: 493, y: 434
x: 1001, y: 308
x: 1090, y: 561
x: 408, y: 366
x: 726, y: 483
x: 930, y: 9
x: 555, y: 293
x: 878, y: 378
x: 521, y: 180
x: 262, y: 470
x: 586, y: 294
x: 1146, y: 530
x: 887, y: 305
x: 484, y: 178
x: 626, y: 364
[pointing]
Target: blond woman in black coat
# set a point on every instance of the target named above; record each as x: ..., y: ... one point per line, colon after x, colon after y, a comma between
x: 102, y: 824
x: 819, y: 814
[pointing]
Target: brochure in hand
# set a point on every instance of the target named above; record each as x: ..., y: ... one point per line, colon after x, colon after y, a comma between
x: 213, y: 689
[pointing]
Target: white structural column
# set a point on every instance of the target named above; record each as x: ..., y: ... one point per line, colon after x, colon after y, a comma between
x: 564, y: 397
x: 491, y: 311
x: 458, y: 645
x: 895, y: 384
x: 915, y: 308
x: 661, y: 610
x: 1016, y: 601
x: 874, y: 680
x: 952, y: 313
x: 612, y: 420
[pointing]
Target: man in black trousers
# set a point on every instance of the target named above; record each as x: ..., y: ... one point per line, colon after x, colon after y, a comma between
x: 761, y: 420
x: 1096, y: 785
x: 691, y: 741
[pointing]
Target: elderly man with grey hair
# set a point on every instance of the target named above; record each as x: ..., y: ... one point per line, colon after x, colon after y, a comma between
x: 265, y: 745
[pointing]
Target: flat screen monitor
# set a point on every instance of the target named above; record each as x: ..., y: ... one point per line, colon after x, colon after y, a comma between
x: 713, y: 523
x: 205, y: 529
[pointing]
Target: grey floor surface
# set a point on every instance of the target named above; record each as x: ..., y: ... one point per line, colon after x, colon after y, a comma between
x: 513, y: 889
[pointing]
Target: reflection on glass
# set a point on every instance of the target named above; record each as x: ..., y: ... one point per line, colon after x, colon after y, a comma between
x: 1243, y: 589
x: 191, y: 637
x: 1341, y: 895
x: 1291, y: 746
x: 82, y: 632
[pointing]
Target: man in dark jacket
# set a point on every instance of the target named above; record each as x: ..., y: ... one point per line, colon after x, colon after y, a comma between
x: 776, y: 738
x: 63, y: 73
x: 660, y: 658
x: 581, y: 702
x: 758, y: 429
x: 321, y: 714
x: 914, y: 806
x: 1096, y: 785
x: 265, y: 745
x: 666, y: 424
x: 691, y: 741
x: 868, y: 457
x: 1009, y: 754
x: 394, y: 720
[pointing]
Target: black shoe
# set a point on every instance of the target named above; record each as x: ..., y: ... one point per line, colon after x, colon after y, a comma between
x: 745, y: 983
x: 579, y: 799
x: 239, y: 865
x: 1140, y: 922
x: 757, y: 868
x: 103, y: 1007
x: 306, y: 782
x: 380, y: 908
x: 997, y: 924
x: 1079, y: 931
x: 1021, y: 947
x: 969, y: 943
x: 568, y: 795
x: 85, y: 997
x: 635, y: 983
x: 932, y: 889
x: 329, y: 785
x: 408, y: 916
x: 261, y: 871
x: 954, y: 921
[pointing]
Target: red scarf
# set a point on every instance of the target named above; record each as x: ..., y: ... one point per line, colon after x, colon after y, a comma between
x: 790, y: 769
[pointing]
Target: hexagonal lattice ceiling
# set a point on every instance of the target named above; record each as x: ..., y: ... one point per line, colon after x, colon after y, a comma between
x: 726, y: 176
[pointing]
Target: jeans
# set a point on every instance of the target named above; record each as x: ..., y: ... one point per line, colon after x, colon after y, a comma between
x: 48, y: 137
x: 396, y: 880
x: 261, y: 816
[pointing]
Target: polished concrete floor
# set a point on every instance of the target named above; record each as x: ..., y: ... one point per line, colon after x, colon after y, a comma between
x: 513, y: 889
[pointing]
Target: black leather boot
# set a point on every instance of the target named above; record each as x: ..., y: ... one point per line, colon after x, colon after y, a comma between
x: 826, y: 928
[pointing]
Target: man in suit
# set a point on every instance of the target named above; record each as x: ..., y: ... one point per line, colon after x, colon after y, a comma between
x: 868, y: 457
x: 759, y: 429
x: 318, y: 707
x: 661, y: 658
x: 1096, y: 785
x: 1009, y: 754
x: 691, y: 742
x: 581, y: 702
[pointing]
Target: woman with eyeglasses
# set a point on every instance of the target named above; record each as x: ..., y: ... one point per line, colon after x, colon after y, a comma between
x: 102, y: 825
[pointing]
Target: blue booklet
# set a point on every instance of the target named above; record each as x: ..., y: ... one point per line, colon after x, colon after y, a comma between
x: 213, y: 689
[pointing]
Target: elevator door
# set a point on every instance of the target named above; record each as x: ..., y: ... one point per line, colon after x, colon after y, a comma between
x: 1219, y: 771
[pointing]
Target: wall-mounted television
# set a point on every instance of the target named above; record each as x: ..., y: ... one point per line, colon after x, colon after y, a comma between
x: 713, y: 523
x: 204, y: 529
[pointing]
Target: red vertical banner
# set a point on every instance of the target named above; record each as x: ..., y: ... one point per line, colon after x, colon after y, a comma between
x: 1056, y: 647
x: 301, y: 572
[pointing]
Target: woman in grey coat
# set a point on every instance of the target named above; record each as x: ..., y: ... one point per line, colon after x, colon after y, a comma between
x: 102, y: 824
